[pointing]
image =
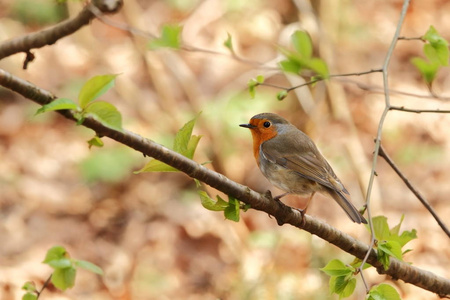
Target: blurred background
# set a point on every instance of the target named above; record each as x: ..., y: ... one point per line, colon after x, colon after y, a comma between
x: 149, y: 232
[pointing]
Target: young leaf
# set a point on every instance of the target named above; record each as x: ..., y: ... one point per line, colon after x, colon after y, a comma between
x: 231, y: 212
x: 58, y: 104
x: 260, y: 79
x: 229, y: 43
x: 185, y: 143
x: 29, y: 286
x: 383, y: 292
x: 96, y: 142
x: 60, y: 263
x: 437, y: 49
x: 170, y: 38
x: 281, y: 95
x: 106, y: 113
x: 336, y: 268
x: 210, y: 204
x: 302, y: 43
x: 55, y: 253
x: 252, y: 84
x: 94, y: 88
x: 342, y: 285
x: 89, y: 266
x: 426, y: 69
x: 183, y: 137
x: 291, y: 66
x: 29, y: 296
x: 391, y: 248
x: 381, y: 228
x: 319, y: 66
x: 156, y: 166
x: 64, y: 278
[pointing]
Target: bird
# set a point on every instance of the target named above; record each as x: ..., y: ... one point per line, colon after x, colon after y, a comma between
x: 291, y: 161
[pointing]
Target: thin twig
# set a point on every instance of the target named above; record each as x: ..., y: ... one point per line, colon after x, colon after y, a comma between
x: 44, y: 286
x: 404, y: 38
x: 380, y: 129
x: 425, y: 203
x: 377, y: 89
x: 418, y: 111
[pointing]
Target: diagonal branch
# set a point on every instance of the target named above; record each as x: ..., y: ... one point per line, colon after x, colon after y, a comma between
x: 282, y: 213
x: 424, y: 201
x: 51, y: 35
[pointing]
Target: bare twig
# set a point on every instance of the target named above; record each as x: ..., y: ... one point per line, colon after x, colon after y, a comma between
x: 424, y: 201
x: 418, y: 111
x: 380, y: 129
x: 283, y: 214
x: 44, y: 286
x: 377, y: 89
x: 404, y: 38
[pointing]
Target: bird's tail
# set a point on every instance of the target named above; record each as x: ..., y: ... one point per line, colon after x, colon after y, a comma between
x: 348, y: 207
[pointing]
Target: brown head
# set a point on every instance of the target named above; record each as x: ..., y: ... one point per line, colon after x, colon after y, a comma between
x: 264, y: 126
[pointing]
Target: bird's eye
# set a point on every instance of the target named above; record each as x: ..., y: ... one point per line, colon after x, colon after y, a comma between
x: 267, y: 124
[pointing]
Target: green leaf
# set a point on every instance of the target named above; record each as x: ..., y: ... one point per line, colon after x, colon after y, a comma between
x: 64, y: 278
x: 342, y: 285
x: 89, y: 266
x: 29, y: 286
x: 383, y: 292
x: 58, y: 104
x: 231, y: 212
x: 95, y: 87
x: 55, y: 253
x: 392, y: 248
x: 60, y: 263
x: 302, y: 44
x: 381, y: 228
x: 291, y: 66
x: 210, y: 204
x: 229, y: 43
x: 183, y: 137
x: 260, y: 79
x: 29, y: 296
x: 96, y: 142
x: 337, y: 268
x: 252, y: 84
x: 185, y: 143
x: 437, y: 49
x: 156, y: 166
x: 281, y: 95
x: 170, y: 38
x: 105, y: 113
x: 406, y: 237
x: 319, y: 66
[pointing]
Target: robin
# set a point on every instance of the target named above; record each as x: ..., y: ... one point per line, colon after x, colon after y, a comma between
x: 291, y: 161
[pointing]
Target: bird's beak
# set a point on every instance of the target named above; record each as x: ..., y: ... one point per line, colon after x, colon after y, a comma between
x: 250, y: 126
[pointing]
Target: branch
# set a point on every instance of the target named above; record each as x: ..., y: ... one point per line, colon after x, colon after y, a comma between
x: 418, y: 111
x: 282, y: 213
x: 424, y: 201
x: 51, y: 35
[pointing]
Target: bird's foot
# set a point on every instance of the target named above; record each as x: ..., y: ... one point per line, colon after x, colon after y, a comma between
x: 302, y: 212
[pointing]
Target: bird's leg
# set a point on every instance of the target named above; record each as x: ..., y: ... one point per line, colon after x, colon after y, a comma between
x: 277, y: 198
x: 303, y: 211
x: 307, y: 203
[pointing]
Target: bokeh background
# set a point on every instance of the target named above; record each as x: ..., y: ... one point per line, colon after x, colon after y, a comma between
x: 149, y: 232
